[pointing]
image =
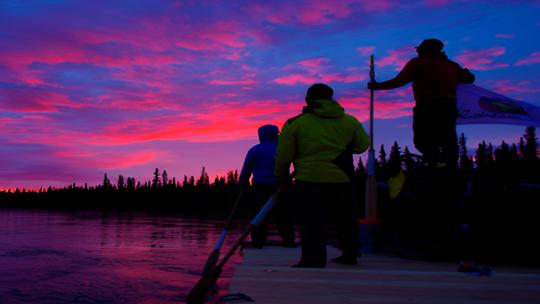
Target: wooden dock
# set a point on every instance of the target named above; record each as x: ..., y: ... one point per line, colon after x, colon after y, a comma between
x: 265, y: 276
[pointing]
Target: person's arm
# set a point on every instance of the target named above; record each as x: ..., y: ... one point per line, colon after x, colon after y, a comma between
x: 247, y: 169
x: 465, y: 76
x: 360, y: 140
x: 285, y: 152
x: 403, y: 78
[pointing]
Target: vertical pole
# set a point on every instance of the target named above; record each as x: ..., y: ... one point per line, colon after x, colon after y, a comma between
x: 371, y: 182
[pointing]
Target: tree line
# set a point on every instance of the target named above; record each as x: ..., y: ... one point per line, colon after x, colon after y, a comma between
x: 507, y: 163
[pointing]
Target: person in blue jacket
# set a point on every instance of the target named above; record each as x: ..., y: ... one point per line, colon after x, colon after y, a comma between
x: 260, y: 162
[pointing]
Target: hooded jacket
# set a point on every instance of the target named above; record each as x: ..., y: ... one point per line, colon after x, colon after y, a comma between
x: 320, y: 143
x: 260, y: 158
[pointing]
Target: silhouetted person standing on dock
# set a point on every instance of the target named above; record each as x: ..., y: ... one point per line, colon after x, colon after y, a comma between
x: 260, y: 162
x: 434, y: 80
x: 320, y: 143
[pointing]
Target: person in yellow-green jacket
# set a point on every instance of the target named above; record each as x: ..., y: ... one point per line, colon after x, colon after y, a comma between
x: 320, y: 143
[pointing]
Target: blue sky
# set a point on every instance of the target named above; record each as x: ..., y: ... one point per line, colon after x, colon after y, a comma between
x: 123, y: 87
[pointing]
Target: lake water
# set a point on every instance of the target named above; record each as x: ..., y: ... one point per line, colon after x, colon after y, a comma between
x: 95, y: 257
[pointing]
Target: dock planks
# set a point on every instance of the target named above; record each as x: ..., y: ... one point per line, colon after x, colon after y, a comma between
x: 265, y: 275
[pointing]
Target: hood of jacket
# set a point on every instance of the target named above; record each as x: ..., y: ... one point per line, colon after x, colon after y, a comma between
x: 325, y: 108
x: 268, y: 133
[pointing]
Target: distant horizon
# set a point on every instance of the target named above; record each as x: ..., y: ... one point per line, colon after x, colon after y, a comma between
x: 179, y: 178
x: 88, y: 88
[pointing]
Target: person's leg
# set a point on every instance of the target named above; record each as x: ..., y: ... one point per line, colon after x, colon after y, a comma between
x: 310, y: 196
x: 258, y: 233
x: 424, y: 139
x: 346, y: 223
x: 450, y: 143
x: 282, y: 216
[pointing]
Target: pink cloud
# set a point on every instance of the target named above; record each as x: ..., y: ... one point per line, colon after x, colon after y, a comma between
x: 236, y: 55
x: 318, y: 70
x: 384, y: 109
x: 323, y: 12
x: 437, y: 2
x: 315, y: 12
x: 329, y: 78
x: 218, y: 122
x: 532, y: 58
x: 295, y: 79
x: 366, y: 50
x: 504, y: 36
x: 397, y: 57
x: 54, y: 52
x: 59, y: 52
x: 133, y: 104
x: 388, y: 104
x: 512, y: 87
x: 483, y: 59
x: 377, y: 6
x: 314, y: 64
x: 84, y: 158
x: 217, y: 35
x: 233, y: 82
x: 33, y: 99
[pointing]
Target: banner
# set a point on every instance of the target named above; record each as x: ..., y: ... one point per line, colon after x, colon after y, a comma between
x: 480, y: 106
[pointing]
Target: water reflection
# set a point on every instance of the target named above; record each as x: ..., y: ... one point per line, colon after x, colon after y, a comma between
x: 93, y: 257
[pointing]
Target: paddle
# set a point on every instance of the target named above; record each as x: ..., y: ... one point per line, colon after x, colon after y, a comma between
x: 214, y: 255
x: 199, y: 291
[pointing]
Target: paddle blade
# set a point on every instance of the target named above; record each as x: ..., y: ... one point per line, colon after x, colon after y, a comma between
x: 211, y: 262
x: 199, y: 291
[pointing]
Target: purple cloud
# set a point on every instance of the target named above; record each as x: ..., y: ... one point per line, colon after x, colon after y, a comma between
x: 483, y: 59
x: 532, y: 58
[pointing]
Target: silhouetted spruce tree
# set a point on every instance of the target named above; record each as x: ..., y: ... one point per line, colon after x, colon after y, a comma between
x: 481, y: 155
x: 130, y: 184
x: 408, y: 159
x: 382, y: 157
x: 394, y: 160
x: 165, y: 178
x: 204, y: 180
x: 185, y: 182
x: 219, y: 182
x: 106, y: 182
x: 489, y: 153
x: 514, y: 156
x: 120, y: 184
x: 531, y: 146
x: 521, y: 150
x: 360, y: 170
x: 156, y: 181
x: 464, y: 161
x: 232, y: 177
x: 502, y: 155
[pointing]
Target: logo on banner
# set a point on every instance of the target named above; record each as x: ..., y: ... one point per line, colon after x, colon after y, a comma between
x: 500, y: 106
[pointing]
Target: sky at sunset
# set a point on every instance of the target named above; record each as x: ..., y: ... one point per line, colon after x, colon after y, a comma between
x: 124, y: 87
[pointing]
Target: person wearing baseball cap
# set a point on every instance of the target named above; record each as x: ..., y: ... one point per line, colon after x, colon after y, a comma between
x: 434, y: 80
